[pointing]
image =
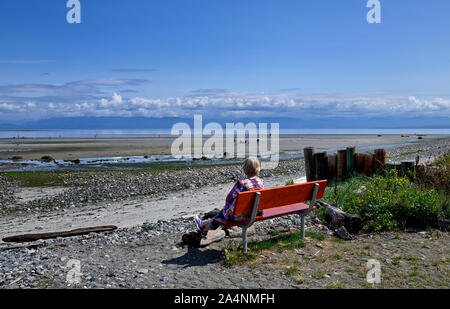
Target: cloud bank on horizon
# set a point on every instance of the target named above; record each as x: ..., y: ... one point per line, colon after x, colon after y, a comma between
x: 105, y: 98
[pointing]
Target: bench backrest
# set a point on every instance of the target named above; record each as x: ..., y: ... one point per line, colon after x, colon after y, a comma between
x: 279, y: 196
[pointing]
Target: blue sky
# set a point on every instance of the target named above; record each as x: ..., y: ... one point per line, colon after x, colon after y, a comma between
x: 232, y: 58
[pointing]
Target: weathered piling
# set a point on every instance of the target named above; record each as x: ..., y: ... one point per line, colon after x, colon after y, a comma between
x: 380, y: 159
x: 341, y: 165
x: 350, y: 161
x: 347, y: 163
x: 332, y: 163
x: 359, y: 163
x: 321, y: 165
x: 368, y: 165
x: 309, y: 163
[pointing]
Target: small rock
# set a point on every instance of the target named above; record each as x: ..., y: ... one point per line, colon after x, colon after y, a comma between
x: 142, y: 271
x: 343, y: 233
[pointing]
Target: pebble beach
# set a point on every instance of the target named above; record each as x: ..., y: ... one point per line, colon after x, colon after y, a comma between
x: 153, y: 209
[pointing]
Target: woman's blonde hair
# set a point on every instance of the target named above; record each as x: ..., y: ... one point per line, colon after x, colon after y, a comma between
x: 251, y: 166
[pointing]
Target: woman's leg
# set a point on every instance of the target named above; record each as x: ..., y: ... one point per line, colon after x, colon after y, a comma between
x: 210, y: 224
x: 207, y: 225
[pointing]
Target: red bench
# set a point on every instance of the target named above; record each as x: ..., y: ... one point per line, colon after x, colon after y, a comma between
x: 274, y: 202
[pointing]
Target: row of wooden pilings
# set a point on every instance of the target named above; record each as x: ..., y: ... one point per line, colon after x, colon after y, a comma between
x: 347, y: 163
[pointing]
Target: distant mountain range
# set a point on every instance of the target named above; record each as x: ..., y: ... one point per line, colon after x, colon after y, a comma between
x: 285, y: 123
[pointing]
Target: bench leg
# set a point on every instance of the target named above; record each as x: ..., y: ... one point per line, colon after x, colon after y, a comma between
x: 302, y: 220
x: 244, y: 239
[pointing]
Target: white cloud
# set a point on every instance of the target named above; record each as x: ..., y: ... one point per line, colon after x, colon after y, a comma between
x: 228, y: 104
x: 8, y: 107
x: 115, y: 101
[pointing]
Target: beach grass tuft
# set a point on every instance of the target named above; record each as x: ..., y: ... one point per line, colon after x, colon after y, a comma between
x: 290, y: 241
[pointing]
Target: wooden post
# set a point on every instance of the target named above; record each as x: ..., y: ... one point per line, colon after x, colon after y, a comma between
x: 332, y: 163
x: 309, y: 163
x: 368, y: 165
x: 380, y: 159
x: 341, y: 165
x: 321, y: 165
x: 350, y: 161
x: 408, y: 168
x: 359, y: 163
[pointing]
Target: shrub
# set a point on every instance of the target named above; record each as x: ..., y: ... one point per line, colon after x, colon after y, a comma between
x: 289, y: 182
x: 388, y: 201
x: 436, y: 175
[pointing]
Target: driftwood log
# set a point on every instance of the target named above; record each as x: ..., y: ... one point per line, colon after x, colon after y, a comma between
x: 336, y: 218
x: 82, y: 231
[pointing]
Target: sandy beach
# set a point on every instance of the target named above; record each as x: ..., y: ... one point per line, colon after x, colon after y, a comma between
x: 76, y: 148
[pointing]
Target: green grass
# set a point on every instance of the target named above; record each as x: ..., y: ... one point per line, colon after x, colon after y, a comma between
x: 233, y: 255
x: 291, y: 271
x: 148, y: 227
x: 289, y: 182
x: 318, y: 274
x: 335, y: 285
x: 36, y: 179
x: 274, y: 232
x: 337, y: 257
x: 337, y: 239
x: 315, y: 235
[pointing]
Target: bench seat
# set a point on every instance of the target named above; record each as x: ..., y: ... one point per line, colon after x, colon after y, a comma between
x: 274, y: 202
x: 268, y: 214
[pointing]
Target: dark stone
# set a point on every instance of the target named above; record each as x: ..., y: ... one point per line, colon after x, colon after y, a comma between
x: 192, y: 239
x: 47, y: 159
x: 444, y: 224
x: 343, y: 233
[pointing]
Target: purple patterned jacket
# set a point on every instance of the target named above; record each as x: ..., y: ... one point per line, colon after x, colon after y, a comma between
x: 249, y: 184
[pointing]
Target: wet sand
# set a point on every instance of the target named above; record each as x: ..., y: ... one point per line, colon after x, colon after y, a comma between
x: 75, y: 148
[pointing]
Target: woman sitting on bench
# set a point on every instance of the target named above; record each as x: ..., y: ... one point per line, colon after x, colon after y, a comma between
x: 252, y: 182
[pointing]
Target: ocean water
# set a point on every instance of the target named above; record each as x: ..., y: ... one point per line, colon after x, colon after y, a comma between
x: 145, y: 133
